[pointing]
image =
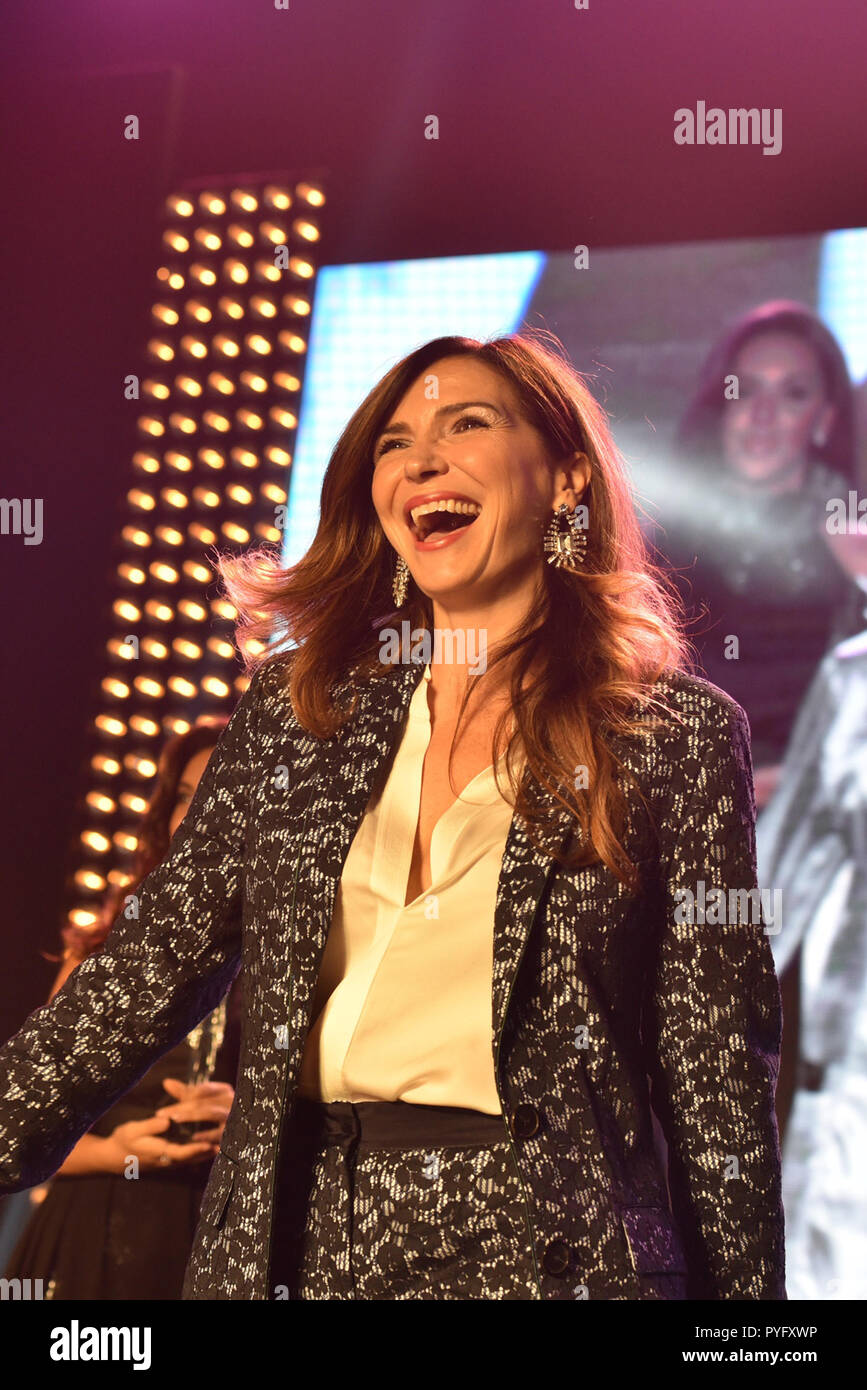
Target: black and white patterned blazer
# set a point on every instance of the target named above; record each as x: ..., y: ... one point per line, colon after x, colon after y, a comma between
x: 603, y: 1001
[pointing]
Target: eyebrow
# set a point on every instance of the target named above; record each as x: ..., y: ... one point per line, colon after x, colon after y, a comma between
x: 795, y: 373
x: 402, y: 428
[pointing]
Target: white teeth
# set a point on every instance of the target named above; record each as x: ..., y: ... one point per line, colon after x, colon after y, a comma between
x: 445, y: 504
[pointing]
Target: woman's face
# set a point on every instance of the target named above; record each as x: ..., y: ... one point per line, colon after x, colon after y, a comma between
x: 190, y: 778
x: 782, y: 408
x: 468, y: 441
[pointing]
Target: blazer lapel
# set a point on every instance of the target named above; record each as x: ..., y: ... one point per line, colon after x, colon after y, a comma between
x: 331, y: 794
x: 523, y: 877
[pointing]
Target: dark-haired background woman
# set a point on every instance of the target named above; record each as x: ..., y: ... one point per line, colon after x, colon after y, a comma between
x: 767, y: 441
x: 98, y: 1232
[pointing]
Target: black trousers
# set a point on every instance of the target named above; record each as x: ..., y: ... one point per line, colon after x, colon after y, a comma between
x: 386, y: 1200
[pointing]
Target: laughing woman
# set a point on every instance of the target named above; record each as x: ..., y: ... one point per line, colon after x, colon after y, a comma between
x: 471, y: 897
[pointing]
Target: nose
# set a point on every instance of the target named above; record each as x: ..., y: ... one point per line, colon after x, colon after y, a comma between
x: 423, y: 461
x: 764, y: 408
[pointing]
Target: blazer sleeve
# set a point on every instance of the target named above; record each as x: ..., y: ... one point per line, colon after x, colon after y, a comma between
x: 714, y: 1022
x: 168, y: 960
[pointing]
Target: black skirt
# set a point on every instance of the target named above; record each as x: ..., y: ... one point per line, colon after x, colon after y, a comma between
x: 105, y: 1237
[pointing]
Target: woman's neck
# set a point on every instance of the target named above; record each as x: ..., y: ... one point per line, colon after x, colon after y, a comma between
x: 787, y: 481
x: 463, y: 638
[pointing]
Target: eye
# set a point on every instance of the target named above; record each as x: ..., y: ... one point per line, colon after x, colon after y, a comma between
x: 472, y: 419
x: 386, y: 444
x: 383, y: 448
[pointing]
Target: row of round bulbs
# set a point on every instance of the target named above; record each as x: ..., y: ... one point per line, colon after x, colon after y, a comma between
x: 158, y: 650
x: 179, y: 462
x: 211, y: 241
x: 201, y: 312
x: 134, y: 535
x: 215, y: 204
x: 197, y: 349
x: 218, y: 423
x: 219, y: 384
x: 235, y: 271
x: 152, y: 689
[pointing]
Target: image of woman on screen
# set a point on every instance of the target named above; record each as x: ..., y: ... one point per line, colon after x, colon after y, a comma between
x: 767, y: 441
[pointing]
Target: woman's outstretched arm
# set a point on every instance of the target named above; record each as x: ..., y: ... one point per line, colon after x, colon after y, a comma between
x: 170, y: 957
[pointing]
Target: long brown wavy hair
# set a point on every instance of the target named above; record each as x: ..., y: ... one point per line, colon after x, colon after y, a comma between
x: 583, y: 663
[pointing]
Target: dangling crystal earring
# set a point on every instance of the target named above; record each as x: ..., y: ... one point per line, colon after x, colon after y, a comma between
x: 400, y: 582
x: 565, y: 548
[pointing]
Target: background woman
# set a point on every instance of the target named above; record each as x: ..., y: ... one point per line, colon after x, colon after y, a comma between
x: 767, y: 440
x: 98, y: 1233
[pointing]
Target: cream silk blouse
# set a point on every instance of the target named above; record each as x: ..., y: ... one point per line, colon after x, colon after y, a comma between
x: 402, y: 1009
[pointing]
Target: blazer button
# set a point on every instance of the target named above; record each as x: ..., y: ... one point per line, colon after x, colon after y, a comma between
x: 556, y: 1258
x: 525, y: 1121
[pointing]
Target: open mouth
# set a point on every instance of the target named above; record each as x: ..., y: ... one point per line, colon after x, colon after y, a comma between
x: 442, y: 517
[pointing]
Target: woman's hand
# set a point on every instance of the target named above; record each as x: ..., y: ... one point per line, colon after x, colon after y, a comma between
x: 202, y: 1100
x: 142, y: 1140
